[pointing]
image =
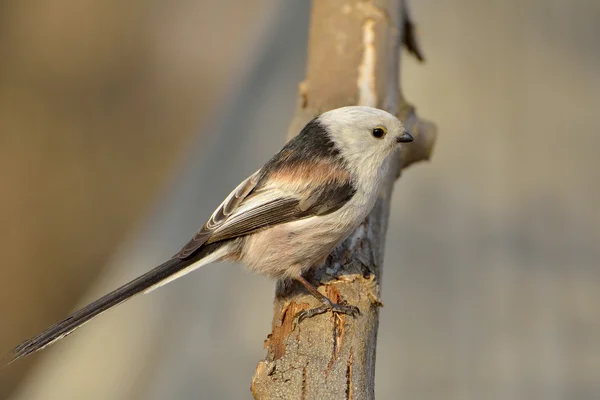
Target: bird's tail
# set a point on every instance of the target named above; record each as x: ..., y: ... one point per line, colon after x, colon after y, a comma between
x: 164, y: 273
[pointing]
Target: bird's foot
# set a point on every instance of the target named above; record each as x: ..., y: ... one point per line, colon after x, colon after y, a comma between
x: 336, y: 308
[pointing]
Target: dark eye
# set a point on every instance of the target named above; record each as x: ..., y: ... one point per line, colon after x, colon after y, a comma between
x: 379, y: 132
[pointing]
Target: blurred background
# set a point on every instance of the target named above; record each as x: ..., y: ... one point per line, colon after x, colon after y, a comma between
x: 123, y: 124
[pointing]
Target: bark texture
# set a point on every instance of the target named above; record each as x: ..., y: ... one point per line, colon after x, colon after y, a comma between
x: 354, y: 58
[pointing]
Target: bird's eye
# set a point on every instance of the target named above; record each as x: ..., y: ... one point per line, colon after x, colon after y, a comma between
x: 379, y: 132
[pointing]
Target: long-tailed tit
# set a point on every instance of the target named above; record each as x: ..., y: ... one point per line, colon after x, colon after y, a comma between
x: 285, y: 218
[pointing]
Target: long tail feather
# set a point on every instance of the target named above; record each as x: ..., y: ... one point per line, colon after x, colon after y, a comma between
x: 158, y: 276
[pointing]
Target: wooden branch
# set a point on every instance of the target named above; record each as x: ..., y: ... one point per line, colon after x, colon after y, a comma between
x: 354, y: 58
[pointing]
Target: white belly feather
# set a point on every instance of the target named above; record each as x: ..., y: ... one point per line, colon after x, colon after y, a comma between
x: 288, y: 249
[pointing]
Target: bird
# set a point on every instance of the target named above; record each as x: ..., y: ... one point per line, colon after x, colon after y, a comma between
x: 282, y: 220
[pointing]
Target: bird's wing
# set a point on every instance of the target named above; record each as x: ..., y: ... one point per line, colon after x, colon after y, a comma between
x: 217, y: 218
x: 262, y: 201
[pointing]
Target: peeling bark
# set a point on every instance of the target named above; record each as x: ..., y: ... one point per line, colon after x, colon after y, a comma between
x: 354, y: 58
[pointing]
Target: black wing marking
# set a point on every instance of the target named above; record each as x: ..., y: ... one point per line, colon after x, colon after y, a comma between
x: 269, y: 207
x: 322, y: 200
x: 272, y: 213
x: 328, y: 198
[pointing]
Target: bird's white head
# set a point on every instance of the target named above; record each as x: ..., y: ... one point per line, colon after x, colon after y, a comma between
x: 366, y: 136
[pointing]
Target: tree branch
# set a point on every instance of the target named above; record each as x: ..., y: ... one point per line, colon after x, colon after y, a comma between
x: 354, y: 58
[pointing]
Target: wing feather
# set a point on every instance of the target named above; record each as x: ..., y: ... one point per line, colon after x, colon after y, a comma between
x: 220, y: 215
x: 260, y: 217
x: 258, y: 203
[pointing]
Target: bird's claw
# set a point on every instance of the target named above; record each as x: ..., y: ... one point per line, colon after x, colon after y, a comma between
x: 339, y: 308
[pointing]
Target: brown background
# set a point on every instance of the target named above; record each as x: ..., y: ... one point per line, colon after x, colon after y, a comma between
x: 123, y: 124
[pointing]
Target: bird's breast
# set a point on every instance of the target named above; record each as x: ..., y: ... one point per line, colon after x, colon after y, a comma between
x: 287, y: 249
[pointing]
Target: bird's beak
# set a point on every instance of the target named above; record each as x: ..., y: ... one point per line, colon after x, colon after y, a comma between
x: 404, y: 138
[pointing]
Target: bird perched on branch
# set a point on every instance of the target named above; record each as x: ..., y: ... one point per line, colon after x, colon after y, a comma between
x: 285, y: 218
